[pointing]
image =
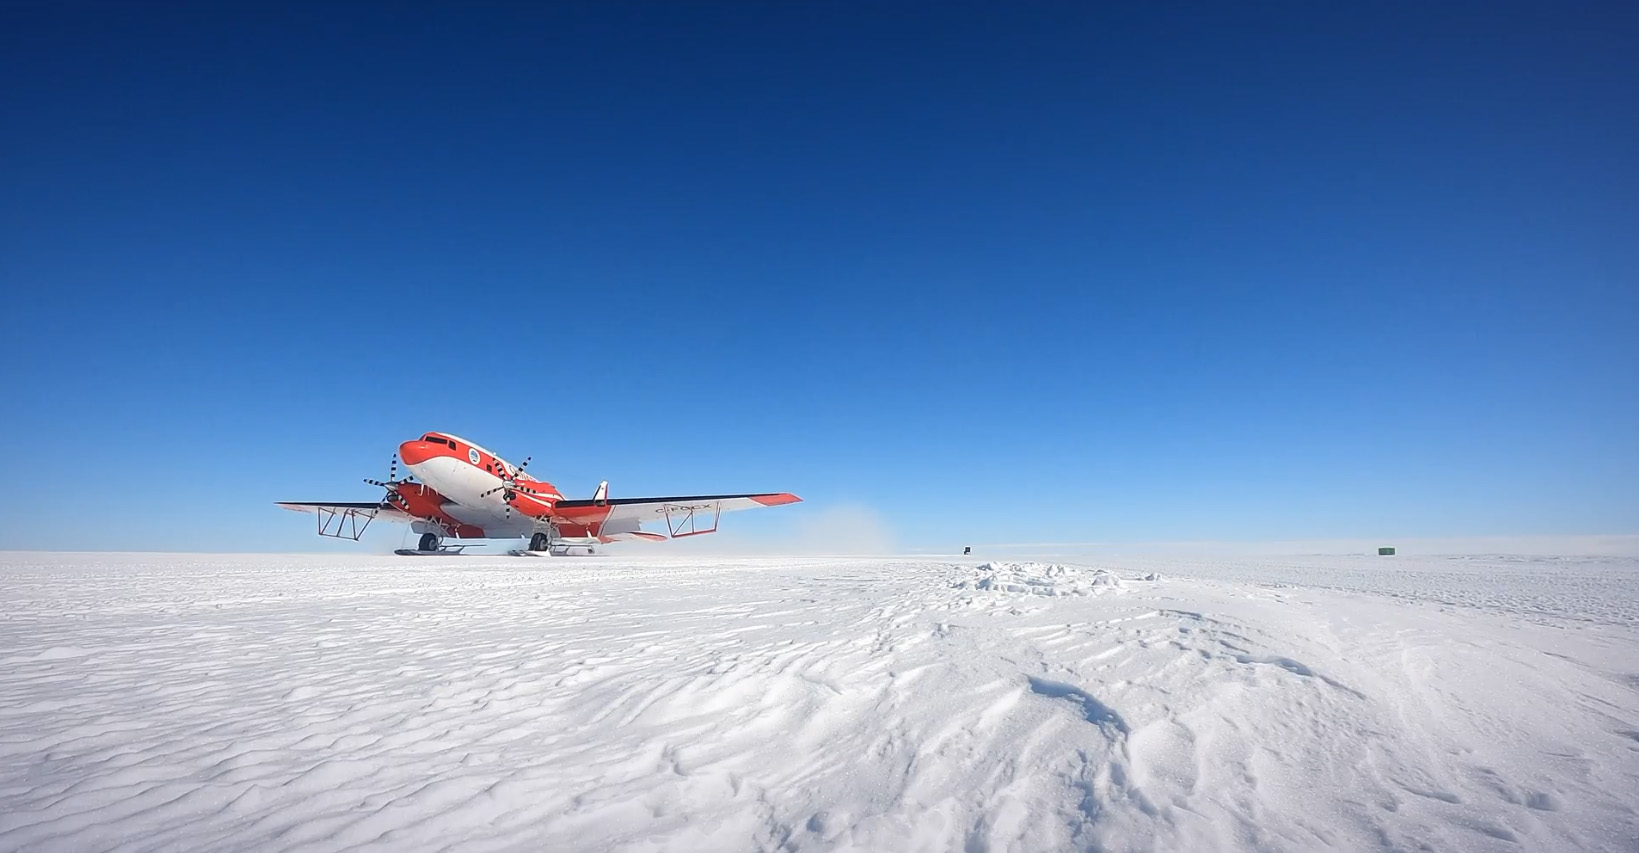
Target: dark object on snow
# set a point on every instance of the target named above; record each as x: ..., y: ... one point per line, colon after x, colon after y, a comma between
x: 966, y: 550
x: 1385, y: 552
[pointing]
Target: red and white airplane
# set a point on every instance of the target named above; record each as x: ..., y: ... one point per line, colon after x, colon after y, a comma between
x: 467, y: 492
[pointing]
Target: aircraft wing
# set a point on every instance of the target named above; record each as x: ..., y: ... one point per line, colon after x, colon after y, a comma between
x: 626, y: 513
x: 383, y: 510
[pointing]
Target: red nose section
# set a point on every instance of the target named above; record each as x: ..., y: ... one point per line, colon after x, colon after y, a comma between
x: 417, y: 452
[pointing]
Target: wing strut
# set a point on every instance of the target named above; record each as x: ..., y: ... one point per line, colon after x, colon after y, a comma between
x: 343, y: 522
x: 684, y: 521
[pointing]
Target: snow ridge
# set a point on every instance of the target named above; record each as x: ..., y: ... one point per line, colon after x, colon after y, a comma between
x: 1049, y: 579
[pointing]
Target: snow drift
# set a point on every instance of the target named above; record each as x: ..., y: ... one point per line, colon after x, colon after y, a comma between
x: 1043, y: 579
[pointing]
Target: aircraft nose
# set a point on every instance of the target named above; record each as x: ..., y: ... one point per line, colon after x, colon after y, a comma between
x: 417, y: 451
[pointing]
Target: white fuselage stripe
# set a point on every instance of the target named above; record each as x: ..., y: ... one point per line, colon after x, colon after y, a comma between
x: 464, y: 485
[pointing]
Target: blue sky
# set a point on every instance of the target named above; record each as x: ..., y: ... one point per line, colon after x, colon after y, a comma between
x: 983, y: 272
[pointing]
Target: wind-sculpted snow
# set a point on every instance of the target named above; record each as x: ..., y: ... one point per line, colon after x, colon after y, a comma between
x: 305, y: 703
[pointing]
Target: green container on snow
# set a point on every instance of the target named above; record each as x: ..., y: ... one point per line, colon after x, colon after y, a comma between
x: 1385, y: 552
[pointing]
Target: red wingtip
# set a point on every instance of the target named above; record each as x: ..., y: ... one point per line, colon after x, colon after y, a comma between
x: 780, y: 499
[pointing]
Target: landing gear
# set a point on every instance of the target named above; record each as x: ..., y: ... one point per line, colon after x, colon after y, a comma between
x: 429, y: 542
x: 540, y: 542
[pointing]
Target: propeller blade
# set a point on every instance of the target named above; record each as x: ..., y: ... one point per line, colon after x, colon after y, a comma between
x: 392, y: 483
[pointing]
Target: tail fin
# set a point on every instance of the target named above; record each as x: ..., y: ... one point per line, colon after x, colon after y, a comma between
x: 602, y: 494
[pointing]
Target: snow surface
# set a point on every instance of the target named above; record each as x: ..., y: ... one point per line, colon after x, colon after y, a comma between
x: 164, y: 702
